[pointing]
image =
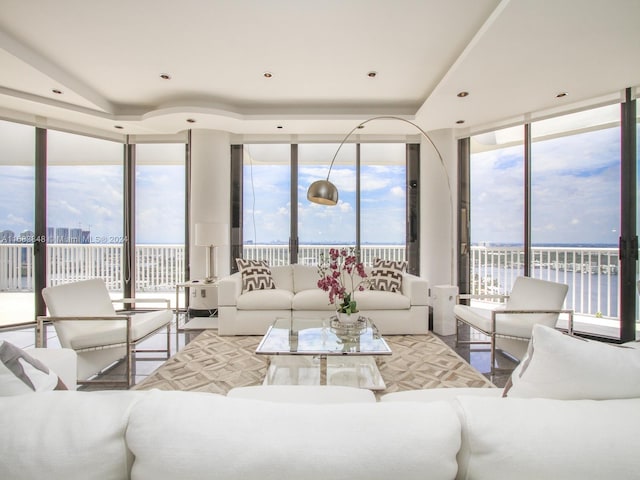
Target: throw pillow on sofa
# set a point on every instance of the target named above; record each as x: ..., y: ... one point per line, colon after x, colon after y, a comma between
x: 387, y: 275
x: 21, y: 373
x: 256, y: 275
x: 563, y: 367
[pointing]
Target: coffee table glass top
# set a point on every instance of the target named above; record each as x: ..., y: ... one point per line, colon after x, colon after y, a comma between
x: 322, y: 337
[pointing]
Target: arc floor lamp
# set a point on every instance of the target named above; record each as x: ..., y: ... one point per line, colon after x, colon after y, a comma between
x: 324, y: 192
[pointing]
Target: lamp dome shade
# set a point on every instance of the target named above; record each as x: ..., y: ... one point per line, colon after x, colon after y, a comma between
x: 208, y: 234
x: 323, y: 192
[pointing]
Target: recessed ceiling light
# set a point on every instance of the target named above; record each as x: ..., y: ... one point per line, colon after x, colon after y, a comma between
x: 267, y: 74
x: 165, y: 76
x: 459, y: 122
x: 56, y: 91
x: 463, y: 94
x: 562, y: 94
x: 119, y: 127
x: 191, y: 120
x: 372, y: 74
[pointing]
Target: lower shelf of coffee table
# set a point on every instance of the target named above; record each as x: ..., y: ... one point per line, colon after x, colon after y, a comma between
x: 351, y: 371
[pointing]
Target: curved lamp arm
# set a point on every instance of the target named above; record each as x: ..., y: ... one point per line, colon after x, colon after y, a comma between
x: 326, y: 193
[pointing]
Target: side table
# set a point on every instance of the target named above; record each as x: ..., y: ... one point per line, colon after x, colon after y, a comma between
x: 205, y: 288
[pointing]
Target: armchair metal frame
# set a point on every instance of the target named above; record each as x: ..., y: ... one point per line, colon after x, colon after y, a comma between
x: 129, y: 343
x: 492, y: 333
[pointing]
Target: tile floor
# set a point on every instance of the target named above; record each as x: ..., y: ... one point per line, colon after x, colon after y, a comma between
x: 146, y: 363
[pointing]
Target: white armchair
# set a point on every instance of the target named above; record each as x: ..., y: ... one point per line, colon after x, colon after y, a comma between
x: 531, y: 301
x: 86, y: 321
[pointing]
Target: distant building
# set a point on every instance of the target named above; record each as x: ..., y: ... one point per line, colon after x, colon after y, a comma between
x: 62, y: 235
x: 75, y: 235
x: 7, y: 236
x: 27, y: 236
x: 54, y: 235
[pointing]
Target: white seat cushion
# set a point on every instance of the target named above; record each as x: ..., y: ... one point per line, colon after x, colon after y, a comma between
x: 283, y: 277
x: 236, y: 439
x: 114, y: 331
x: 304, y: 394
x: 274, y: 299
x: 380, y: 300
x: 512, y: 325
x: 313, y: 299
x: 514, y: 438
x: 88, y: 298
x: 66, y: 435
x: 437, y: 394
x: 305, y: 277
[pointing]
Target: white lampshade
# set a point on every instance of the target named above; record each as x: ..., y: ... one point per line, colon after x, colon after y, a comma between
x: 212, y: 234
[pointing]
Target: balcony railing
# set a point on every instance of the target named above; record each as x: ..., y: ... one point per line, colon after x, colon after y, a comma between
x: 309, y: 254
x: 591, y: 273
x: 158, y: 267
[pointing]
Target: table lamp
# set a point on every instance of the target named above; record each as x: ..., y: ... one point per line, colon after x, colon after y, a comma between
x: 211, y: 235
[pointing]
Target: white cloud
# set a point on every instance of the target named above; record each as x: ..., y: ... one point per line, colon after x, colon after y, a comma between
x: 398, y: 192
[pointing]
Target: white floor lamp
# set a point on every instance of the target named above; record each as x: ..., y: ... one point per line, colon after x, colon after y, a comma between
x: 211, y: 235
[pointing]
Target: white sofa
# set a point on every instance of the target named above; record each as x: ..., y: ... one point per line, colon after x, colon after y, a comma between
x: 297, y: 294
x: 156, y: 435
x: 320, y: 432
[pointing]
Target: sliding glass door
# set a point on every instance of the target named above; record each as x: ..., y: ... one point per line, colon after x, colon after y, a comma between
x: 321, y: 227
x: 383, y: 201
x: 371, y: 210
x: 84, y: 209
x: 496, y: 213
x: 266, y: 215
x: 575, y: 212
x: 17, y: 213
x: 159, y: 219
x: 562, y: 210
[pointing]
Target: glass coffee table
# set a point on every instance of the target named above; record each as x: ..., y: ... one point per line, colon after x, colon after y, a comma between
x: 321, y: 351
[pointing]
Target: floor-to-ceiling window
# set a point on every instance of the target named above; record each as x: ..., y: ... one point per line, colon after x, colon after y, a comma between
x: 17, y: 206
x: 160, y: 218
x: 319, y: 226
x: 84, y: 209
x: 266, y: 215
x: 575, y: 208
x: 371, y: 180
x: 84, y: 205
x: 496, y: 213
x: 570, y: 222
x: 383, y: 200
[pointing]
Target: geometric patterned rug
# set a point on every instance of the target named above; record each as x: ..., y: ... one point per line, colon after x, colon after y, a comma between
x: 213, y: 363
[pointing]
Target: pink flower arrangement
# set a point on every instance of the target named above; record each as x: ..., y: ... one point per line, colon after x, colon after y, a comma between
x: 341, y: 274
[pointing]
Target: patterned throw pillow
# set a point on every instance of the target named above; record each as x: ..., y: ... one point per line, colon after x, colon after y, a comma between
x: 256, y: 275
x: 21, y: 373
x: 387, y: 275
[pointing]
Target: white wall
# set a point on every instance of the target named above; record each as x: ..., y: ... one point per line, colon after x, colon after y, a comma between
x: 210, y: 193
x: 437, y: 237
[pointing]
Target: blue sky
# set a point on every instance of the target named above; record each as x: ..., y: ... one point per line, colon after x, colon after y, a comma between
x: 382, y: 194
x: 90, y: 197
x: 576, y: 185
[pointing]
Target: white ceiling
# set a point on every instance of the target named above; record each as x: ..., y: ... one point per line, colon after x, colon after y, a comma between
x: 512, y: 56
